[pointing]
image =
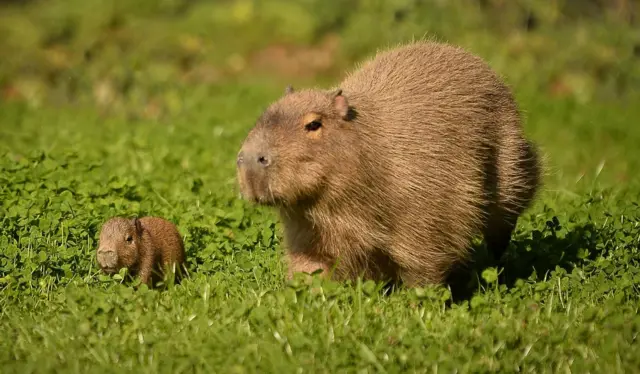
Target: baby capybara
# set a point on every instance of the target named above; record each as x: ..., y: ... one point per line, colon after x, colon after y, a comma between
x: 145, y: 246
x: 392, y: 173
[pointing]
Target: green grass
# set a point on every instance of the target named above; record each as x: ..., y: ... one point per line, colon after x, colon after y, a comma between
x: 566, y: 301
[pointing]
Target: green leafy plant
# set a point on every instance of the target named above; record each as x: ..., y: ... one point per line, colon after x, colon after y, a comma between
x: 138, y: 108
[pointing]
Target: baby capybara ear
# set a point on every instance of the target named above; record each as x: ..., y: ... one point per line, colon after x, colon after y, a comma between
x: 288, y: 90
x: 137, y: 225
x: 341, y: 104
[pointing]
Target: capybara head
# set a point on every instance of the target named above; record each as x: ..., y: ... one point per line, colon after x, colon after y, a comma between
x: 295, y: 146
x: 118, y: 246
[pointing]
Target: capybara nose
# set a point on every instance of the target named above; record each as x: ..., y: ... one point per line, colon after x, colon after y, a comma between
x: 107, y: 258
x: 253, y: 159
x: 263, y: 160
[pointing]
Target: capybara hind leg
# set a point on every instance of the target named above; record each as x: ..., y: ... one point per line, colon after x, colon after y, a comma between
x: 171, y: 269
x: 497, y: 236
x: 301, y: 262
x: 519, y: 176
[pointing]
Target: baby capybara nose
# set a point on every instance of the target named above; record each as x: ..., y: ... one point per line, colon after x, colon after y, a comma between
x: 107, y: 257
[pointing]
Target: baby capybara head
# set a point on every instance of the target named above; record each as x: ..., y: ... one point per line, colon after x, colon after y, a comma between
x: 118, y: 246
x: 295, y: 147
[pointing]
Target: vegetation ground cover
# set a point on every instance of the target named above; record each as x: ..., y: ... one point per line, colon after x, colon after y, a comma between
x: 120, y: 109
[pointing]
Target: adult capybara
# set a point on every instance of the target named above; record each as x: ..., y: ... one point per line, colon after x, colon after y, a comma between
x: 146, y: 246
x: 391, y: 174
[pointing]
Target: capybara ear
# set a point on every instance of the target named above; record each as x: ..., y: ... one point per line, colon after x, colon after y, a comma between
x: 138, y: 225
x: 288, y: 90
x: 341, y: 104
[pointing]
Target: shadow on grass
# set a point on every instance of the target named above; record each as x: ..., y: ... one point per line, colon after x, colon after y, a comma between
x: 538, y: 254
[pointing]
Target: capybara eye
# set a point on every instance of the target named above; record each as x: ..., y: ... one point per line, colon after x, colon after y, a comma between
x: 313, y: 125
x: 129, y: 238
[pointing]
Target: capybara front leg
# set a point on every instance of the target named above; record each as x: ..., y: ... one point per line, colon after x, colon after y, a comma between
x: 301, y: 262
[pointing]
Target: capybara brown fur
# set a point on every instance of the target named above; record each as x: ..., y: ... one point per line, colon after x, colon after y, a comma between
x: 146, y: 246
x: 390, y: 174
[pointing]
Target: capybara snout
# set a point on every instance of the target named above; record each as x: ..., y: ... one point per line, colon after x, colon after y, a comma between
x: 107, y: 260
x: 254, y: 161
